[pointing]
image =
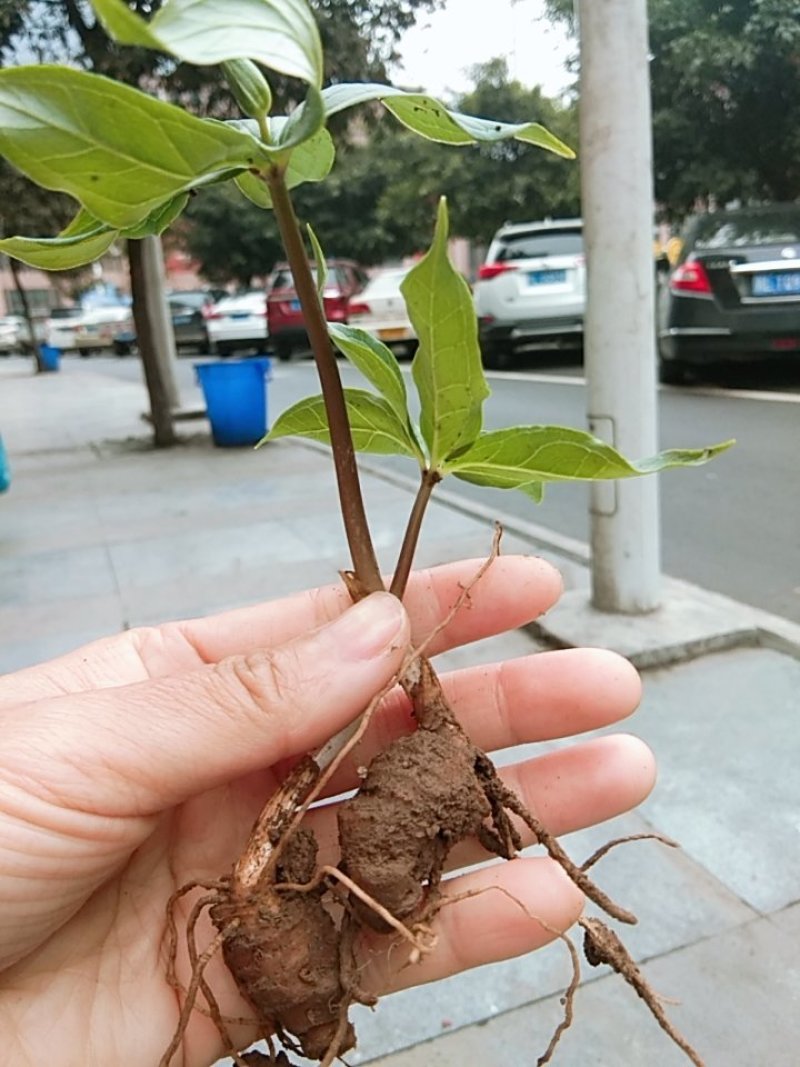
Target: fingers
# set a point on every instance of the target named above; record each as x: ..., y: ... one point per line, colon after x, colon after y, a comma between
x: 533, y: 698
x: 574, y: 788
x: 135, y: 750
x: 513, y: 591
x: 506, y: 910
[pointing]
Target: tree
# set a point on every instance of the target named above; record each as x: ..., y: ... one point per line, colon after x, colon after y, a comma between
x: 378, y: 202
x: 726, y: 99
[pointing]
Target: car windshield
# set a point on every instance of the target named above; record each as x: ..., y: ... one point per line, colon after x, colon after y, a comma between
x: 538, y: 243
x: 748, y: 228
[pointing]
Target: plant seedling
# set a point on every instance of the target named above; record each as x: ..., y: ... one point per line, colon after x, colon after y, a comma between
x: 131, y: 161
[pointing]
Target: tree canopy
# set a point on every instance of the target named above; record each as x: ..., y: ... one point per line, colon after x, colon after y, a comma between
x: 380, y: 201
x: 725, y: 78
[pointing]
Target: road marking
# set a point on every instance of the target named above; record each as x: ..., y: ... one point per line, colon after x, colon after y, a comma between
x: 698, y: 390
x: 686, y: 390
x: 735, y: 394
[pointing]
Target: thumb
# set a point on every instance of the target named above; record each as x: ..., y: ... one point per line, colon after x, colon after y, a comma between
x: 139, y: 749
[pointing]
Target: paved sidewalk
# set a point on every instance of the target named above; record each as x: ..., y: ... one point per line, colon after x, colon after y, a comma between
x: 99, y: 532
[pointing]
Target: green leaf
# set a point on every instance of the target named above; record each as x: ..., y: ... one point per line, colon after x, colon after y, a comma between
x: 160, y: 219
x: 376, y: 362
x: 303, y: 122
x: 60, y: 253
x: 515, y: 457
x: 250, y: 88
x: 281, y: 34
x: 121, y: 153
x: 311, y: 161
x: 447, y: 368
x: 319, y: 259
x: 374, y: 425
x: 430, y: 118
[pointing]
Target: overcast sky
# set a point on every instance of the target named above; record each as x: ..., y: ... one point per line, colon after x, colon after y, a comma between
x: 441, y: 47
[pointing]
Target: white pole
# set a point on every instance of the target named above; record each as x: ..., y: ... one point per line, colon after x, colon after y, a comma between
x: 620, y: 357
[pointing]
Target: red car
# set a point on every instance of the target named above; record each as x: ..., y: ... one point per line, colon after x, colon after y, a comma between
x: 287, y: 330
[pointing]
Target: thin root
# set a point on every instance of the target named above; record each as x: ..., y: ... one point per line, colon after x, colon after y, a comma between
x: 422, y: 942
x: 601, y: 945
x: 556, y: 852
x: 191, y: 993
x: 598, y: 855
x: 569, y: 994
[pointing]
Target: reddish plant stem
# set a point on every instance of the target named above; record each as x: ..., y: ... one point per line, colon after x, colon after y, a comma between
x: 430, y: 479
x: 362, y: 552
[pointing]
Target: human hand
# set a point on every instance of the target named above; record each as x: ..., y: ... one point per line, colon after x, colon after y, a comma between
x: 138, y: 763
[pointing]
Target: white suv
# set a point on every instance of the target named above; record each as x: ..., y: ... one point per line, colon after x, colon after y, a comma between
x: 531, y: 291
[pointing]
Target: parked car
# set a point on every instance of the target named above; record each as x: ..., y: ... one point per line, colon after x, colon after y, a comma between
x: 531, y: 291
x: 734, y: 294
x: 12, y: 334
x: 285, y: 319
x: 60, y: 327
x: 189, y: 325
x: 86, y: 330
x: 238, y: 323
x: 381, y: 310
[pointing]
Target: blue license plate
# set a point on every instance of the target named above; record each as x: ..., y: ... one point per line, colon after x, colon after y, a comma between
x: 240, y: 315
x: 777, y: 283
x: 547, y: 277
x: 294, y: 305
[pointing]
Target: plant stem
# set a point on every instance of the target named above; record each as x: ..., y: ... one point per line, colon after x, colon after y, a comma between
x: 404, y: 561
x: 362, y: 552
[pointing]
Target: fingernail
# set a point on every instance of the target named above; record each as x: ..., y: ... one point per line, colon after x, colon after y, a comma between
x: 369, y: 627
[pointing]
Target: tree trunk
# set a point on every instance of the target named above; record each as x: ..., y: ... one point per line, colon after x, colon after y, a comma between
x: 157, y: 386
x: 26, y: 314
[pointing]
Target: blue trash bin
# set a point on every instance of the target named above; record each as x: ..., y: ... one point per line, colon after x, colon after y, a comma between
x: 5, y: 470
x: 50, y: 357
x: 235, y: 392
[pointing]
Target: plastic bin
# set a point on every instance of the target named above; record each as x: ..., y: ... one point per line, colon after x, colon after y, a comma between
x: 5, y: 470
x: 235, y: 392
x: 50, y: 356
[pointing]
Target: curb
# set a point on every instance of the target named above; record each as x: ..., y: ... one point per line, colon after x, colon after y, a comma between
x: 691, y: 621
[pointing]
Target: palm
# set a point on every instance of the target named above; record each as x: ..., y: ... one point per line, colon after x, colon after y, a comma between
x: 137, y: 766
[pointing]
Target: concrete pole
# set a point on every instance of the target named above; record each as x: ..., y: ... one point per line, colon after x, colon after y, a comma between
x: 620, y: 356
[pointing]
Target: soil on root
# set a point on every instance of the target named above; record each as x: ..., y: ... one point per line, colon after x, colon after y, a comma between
x: 293, y: 962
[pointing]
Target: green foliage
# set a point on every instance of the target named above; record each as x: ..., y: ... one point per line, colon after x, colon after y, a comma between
x: 131, y: 161
x: 430, y: 118
x: 281, y: 34
x: 121, y: 153
x: 451, y: 386
x: 515, y: 457
x: 447, y: 368
x: 374, y: 425
x: 229, y: 236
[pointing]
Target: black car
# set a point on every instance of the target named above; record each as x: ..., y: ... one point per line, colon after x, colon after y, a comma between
x: 735, y: 291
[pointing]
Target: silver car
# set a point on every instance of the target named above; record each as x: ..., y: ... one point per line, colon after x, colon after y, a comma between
x: 531, y: 292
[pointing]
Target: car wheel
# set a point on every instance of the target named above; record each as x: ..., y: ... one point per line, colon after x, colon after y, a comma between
x: 283, y: 349
x: 497, y: 356
x: 121, y: 348
x: 84, y: 353
x: 673, y: 372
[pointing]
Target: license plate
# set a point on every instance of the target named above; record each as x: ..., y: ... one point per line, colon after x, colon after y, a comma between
x: 395, y: 334
x: 294, y: 305
x: 240, y: 315
x: 777, y: 283
x: 547, y: 277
